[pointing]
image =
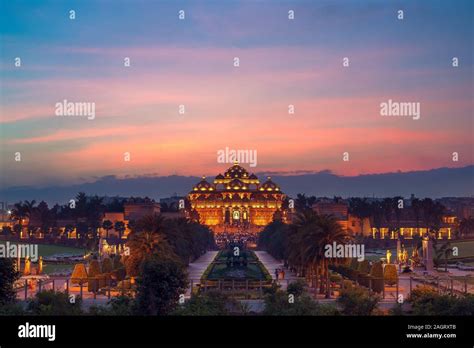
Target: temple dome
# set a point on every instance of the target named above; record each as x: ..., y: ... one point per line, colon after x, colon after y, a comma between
x: 236, y: 171
x: 203, y: 185
x: 236, y: 184
x: 269, y: 185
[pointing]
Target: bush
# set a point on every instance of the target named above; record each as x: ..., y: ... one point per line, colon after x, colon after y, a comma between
x: 357, y: 301
x: 94, y: 268
x: 119, y: 274
x: 8, y: 276
x: 116, y: 306
x: 210, y: 303
x: 159, y: 287
x: 93, y: 284
x: 353, y: 274
x: 11, y: 309
x: 296, y: 288
x: 107, y: 265
x: 304, y: 305
x: 79, y: 274
x: 117, y: 263
x: 54, y: 303
x: 347, y: 284
x: 364, y: 267
x: 335, y: 278
x: 377, y: 274
x: 365, y: 280
x: 390, y: 274
x: 426, y: 301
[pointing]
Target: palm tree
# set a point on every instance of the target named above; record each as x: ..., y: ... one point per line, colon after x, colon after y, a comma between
x: 44, y: 216
x: 19, y: 213
x: 387, y: 208
x: 94, y: 214
x: 416, y: 208
x: 68, y: 229
x: 301, y: 202
x: 376, y: 211
x: 466, y: 227
x: 360, y: 208
x: 119, y: 226
x: 107, y: 225
x: 147, y: 239
x: 432, y: 215
x: 313, y: 233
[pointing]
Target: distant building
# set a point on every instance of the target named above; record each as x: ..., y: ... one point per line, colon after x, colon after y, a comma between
x: 136, y: 208
x: 461, y: 207
x: 235, y: 201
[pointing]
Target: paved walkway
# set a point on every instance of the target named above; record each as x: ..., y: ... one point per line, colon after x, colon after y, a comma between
x: 197, y: 268
x: 271, y: 264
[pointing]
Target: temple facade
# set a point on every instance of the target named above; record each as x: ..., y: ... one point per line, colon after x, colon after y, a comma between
x: 236, y: 201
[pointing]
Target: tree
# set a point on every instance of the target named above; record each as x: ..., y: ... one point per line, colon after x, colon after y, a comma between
x: 81, y: 230
x: 376, y: 210
x: 146, y: 241
x: 277, y: 303
x: 19, y: 213
x: 377, y: 274
x: 8, y: 276
x: 466, y: 227
x: 209, y: 303
x: 119, y: 226
x: 17, y: 228
x: 159, y: 287
x: 425, y: 300
x: 68, y: 229
x: 357, y: 301
x: 390, y: 274
x: 54, y: 303
x: 44, y: 216
x: 432, y: 215
x: 361, y: 209
x: 6, y: 230
x: 313, y: 233
x: 107, y: 225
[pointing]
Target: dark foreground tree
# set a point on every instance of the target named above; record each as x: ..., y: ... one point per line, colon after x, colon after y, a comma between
x: 54, y: 303
x: 159, y: 286
x: 210, y: 303
x: 8, y: 276
x: 356, y: 301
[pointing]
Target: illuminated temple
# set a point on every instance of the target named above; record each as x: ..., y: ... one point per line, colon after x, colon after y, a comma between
x: 236, y: 201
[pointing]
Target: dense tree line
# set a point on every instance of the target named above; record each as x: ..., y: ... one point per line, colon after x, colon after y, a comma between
x: 302, y: 244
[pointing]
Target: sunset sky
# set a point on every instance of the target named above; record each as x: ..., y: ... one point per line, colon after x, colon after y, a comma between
x: 190, y: 62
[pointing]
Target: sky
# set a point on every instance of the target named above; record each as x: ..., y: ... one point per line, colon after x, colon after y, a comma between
x: 190, y: 62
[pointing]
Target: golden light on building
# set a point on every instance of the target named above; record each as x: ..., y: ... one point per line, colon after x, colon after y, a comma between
x: 236, y: 199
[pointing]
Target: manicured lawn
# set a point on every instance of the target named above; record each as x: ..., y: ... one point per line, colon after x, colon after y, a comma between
x: 49, y: 250
x: 223, y: 254
x: 219, y: 269
x: 251, y: 272
x: 57, y: 268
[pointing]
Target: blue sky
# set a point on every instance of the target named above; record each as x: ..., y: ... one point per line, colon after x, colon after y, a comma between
x: 189, y: 62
